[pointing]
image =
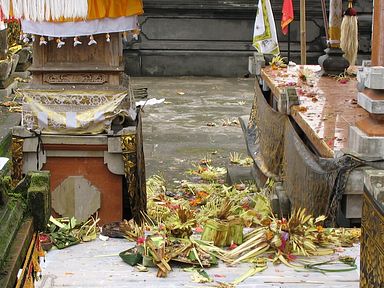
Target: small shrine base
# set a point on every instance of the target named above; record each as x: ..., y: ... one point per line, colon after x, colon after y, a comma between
x: 96, y: 160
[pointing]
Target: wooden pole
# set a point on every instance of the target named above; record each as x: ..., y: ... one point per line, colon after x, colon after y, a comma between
x: 289, y: 42
x: 377, y: 34
x: 303, y: 33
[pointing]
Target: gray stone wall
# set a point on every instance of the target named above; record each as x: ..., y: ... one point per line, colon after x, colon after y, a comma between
x: 213, y: 37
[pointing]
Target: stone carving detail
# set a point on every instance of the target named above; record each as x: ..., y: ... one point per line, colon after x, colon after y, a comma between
x: 75, y: 78
x: 76, y: 197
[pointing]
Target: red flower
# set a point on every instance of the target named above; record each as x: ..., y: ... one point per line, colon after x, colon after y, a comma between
x: 140, y: 240
x: 291, y: 257
x: 233, y: 246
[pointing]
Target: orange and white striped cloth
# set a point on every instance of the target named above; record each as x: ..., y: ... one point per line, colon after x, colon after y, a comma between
x: 69, y: 10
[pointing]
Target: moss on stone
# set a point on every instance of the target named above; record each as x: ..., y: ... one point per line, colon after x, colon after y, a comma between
x: 39, y: 181
x: 5, y: 189
x: 11, y: 216
x: 39, y: 199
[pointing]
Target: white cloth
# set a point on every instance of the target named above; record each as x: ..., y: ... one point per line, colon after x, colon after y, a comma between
x: 150, y: 102
x: 44, y: 10
x: 264, y: 33
x: 3, y: 161
x: 80, y: 28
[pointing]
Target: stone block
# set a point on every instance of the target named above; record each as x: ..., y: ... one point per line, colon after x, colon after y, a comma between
x: 353, y: 193
x: 353, y: 205
x: 374, y: 184
x: 371, y: 105
x: 284, y: 202
x: 9, y: 90
x: 237, y: 175
x: 39, y: 198
x: 255, y: 63
x: 5, y: 69
x: 365, y: 145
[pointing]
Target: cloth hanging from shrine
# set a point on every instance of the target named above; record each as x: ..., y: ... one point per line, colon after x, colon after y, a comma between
x: 69, y: 10
x: 80, y: 28
x: 73, y: 111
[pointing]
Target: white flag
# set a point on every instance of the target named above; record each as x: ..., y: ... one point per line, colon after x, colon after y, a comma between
x: 264, y: 34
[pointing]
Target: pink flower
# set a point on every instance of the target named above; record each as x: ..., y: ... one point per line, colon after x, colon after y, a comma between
x: 199, y: 229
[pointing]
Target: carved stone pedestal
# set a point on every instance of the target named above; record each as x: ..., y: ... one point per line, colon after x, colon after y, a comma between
x: 367, y: 137
x: 7, y: 68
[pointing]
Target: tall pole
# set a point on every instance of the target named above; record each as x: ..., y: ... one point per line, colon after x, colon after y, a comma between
x: 303, y: 33
x: 377, y: 34
x: 289, y: 42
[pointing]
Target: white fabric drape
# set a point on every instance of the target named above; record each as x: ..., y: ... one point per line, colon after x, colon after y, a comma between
x: 81, y: 28
x: 45, y: 10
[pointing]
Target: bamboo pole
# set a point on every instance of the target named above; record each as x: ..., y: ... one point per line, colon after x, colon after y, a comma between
x: 303, y: 33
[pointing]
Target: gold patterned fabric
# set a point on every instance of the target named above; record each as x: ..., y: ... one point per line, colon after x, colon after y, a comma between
x: 372, y: 245
x: 264, y: 120
x: 72, y: 112
x: 134, y: 168
x: 17, y: 160
x: 335, y: 19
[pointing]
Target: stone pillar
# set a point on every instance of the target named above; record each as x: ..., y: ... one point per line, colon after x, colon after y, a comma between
x: 367, y: 137
x: 39, y: 199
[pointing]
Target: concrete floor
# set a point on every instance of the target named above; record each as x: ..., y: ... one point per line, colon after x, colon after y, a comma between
x: 97, y: 265
x: 176, y: 135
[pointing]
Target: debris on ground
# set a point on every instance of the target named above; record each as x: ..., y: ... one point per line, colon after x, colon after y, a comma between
x: 203, y: 221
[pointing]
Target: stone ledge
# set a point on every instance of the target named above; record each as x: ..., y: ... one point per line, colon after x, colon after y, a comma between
x: 369, y: 104
x: 17, y: 253
x: 366, y: 146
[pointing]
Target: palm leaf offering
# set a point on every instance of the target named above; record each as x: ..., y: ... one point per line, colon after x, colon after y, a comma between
x: 223, y: 211
x: 66, y: 232
x: 202, y: 221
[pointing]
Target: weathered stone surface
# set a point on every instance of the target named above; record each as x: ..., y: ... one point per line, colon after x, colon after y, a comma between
x: 5, y: 69
x: 374, y: 183
x: 11, y: 216
x: 8, y: 90
x: 76, y: 197
x: 39, y: 198
x: 371, y: 105
x: 25, y: 55
x: 196, y: 30
x: 16, y: 256
x: 237, y: 174
x: 365, y: 145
